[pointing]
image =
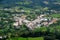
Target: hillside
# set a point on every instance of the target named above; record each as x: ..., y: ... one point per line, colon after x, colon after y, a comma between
x: 51, y: 4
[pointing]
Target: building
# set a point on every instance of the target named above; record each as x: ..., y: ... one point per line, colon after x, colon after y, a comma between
x: 37, y: 23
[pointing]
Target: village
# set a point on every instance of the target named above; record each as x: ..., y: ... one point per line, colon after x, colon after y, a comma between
x: 41, y: 20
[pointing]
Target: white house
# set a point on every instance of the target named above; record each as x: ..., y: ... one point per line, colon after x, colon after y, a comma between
x: 15, y: 24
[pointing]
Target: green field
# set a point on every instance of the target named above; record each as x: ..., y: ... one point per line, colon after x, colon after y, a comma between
x: 34, y: 38
x: 55, y: 15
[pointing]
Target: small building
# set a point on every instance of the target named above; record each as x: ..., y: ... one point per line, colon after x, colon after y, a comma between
x: 15, y: 24
x: 3, y: 37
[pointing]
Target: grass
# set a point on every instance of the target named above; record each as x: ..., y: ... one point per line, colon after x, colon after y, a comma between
x: 30, y: 38
x: 55, y: 15
x: 37, y: 38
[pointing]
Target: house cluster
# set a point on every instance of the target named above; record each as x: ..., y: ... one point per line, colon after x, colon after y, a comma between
x: 41, y: 20
x: 3, y: 37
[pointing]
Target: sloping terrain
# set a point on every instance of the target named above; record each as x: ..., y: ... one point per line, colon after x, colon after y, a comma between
x: 52, y: 4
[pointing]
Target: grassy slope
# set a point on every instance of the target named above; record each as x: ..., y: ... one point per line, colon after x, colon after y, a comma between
x: 37, y: 38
